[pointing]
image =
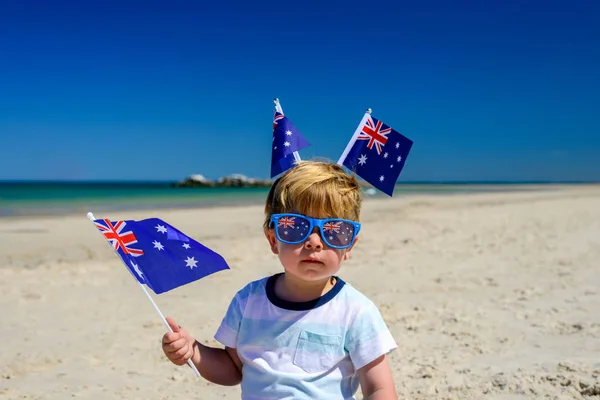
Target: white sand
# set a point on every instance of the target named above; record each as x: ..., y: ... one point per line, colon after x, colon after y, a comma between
x: 493, y: 296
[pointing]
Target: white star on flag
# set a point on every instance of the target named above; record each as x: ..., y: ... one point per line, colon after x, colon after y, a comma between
x: 385, y: 155
x: 288, y: 132
x: 191, y: 262
x: 381, y: 178
x: 186, y: 246
x: 158, y: 245
x: 161, y: 228
x: 399, y: 158
x: 287, y: 144
x: 397, y: 144
x: 362, y: 159
x: 137, y: 269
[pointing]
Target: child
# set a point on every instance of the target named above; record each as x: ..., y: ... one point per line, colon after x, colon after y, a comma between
x: 303, y: 333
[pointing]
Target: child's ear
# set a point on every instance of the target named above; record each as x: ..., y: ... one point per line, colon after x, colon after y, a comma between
x: 272, y: 239
x: 347, y: 253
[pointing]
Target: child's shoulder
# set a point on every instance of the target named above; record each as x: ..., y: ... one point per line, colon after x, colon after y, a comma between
x: 355, y: 296
x: 256, y: 286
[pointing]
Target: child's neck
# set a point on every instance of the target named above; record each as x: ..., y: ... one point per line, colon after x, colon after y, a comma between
x: 290, y: 288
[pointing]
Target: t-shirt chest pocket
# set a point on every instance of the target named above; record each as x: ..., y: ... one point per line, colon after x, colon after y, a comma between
x: 318, y: 353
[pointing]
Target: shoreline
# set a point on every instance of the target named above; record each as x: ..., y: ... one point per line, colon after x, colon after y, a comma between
x: 32, y: 209
x: 32, y: 213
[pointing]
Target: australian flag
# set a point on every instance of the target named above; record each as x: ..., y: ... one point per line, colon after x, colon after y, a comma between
x: 377, y: 154
x: 286, y: 140
x: 158, y: 254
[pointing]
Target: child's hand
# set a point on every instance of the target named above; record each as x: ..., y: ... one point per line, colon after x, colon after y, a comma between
x: 178, y: 345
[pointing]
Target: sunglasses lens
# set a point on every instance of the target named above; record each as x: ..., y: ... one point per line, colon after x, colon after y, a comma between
x: 292, y: 229
x: 338, y: 233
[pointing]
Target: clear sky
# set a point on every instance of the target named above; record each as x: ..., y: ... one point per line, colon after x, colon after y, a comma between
x: 487, y: 90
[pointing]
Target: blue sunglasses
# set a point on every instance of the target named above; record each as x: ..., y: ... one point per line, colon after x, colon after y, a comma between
x: 295, y: 228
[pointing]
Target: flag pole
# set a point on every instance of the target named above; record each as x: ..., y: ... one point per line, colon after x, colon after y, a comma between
x: 162, y: 317
x: 354, y: 136
x: 280, y: 110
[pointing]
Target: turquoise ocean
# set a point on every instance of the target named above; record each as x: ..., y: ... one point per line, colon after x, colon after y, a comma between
x: 19, y: 199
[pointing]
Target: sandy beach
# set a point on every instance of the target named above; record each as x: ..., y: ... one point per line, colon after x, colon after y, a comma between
x: 489, y: 296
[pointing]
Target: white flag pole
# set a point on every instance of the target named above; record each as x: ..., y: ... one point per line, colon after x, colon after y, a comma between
x: 162, y: 317
x: 353, y: 139
x: 280, y: 110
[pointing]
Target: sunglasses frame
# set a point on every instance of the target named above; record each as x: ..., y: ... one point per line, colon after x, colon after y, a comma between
x: 314, y: 222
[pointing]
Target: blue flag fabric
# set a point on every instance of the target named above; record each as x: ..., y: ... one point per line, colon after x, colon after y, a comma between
x: 377, y: 154
x: 282, y: 165
x: 286, y: 140
x: 158, y: 254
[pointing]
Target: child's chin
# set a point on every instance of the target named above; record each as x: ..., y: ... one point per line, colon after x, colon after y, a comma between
x: 314, y: 273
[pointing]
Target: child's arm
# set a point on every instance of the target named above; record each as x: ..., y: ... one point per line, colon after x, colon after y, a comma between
x: 376, y: 381
x: 220, y: 366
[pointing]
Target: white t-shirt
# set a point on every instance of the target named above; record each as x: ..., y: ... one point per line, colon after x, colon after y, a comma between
x: 309, y: 350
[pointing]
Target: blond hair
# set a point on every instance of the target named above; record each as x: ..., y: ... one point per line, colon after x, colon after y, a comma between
x: 315, y: 188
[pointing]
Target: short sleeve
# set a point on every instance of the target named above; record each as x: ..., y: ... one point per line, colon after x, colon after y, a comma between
x: 368, y: 337
x: 227, y: 334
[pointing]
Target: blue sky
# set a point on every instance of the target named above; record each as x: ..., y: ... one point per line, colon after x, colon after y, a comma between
x: 160, y: 90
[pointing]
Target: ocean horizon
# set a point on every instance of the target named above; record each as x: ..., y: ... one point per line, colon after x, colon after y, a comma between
x: 22, y: 198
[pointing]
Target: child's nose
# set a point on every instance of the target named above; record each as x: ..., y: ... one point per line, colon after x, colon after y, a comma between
x: 314, y: 241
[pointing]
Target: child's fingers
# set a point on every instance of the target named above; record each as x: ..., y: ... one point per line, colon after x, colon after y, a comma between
x: 179, y: 361
x: 173, y: 324
x: 183, y: 352
x: 175, y: 346
x: 171, y: 337
x: 181, y: 356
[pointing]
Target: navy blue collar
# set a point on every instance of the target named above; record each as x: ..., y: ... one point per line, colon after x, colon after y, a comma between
x: 302, y: 305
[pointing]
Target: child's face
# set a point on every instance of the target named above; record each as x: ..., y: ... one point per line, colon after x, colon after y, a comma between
x: 310, y: 260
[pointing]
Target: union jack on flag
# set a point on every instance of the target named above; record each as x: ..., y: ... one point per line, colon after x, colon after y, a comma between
x: 381, y: 166
x: 117, y: 238
x: 158, y: 254
x: 373, y: 132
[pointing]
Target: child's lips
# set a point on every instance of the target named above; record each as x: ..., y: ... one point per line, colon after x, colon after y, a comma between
x: 312, y: 261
